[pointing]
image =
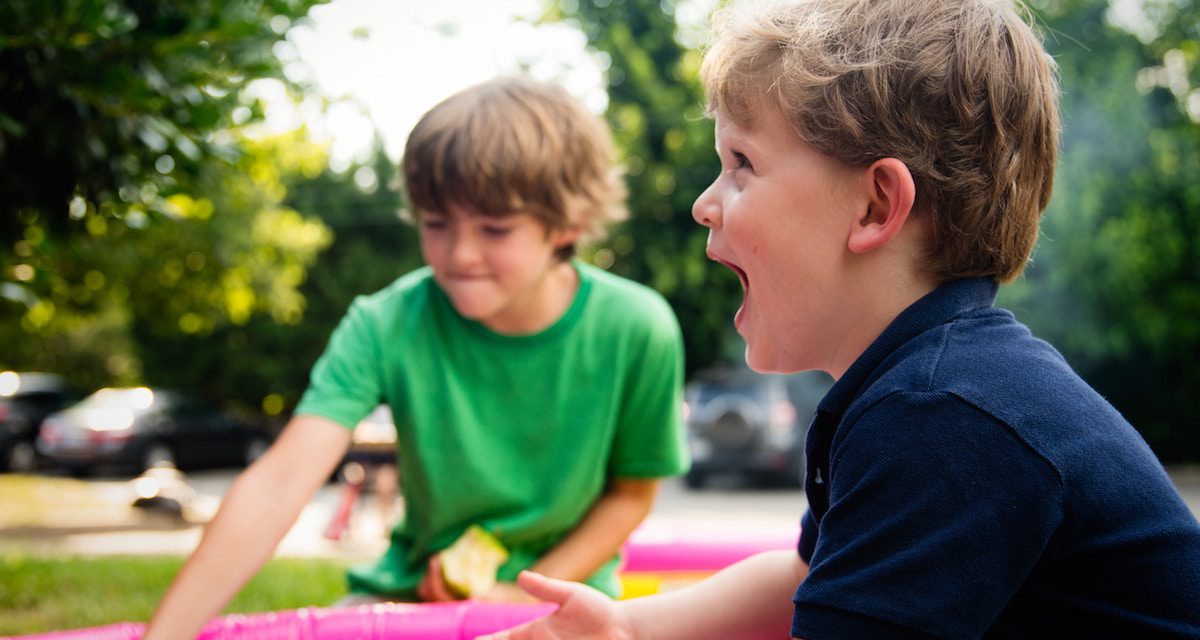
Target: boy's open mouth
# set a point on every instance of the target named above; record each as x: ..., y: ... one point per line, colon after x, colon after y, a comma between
x: 740, y: 274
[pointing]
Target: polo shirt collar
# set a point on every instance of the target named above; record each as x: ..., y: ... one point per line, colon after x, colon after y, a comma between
x: 948, y: 301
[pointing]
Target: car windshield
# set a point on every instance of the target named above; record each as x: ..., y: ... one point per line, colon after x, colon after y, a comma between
x: 139, y: 400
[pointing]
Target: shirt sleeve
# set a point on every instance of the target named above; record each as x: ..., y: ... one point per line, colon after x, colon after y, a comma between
x: 808, y: 537
x: 649, y: 439
x: 937, y: 514
x: 345, y: 383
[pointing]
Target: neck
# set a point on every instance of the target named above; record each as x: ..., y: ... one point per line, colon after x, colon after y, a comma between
x: 881, y: 300
x: 542, y: 306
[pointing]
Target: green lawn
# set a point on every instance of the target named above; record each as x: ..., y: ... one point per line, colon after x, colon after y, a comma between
x: 48, y: 593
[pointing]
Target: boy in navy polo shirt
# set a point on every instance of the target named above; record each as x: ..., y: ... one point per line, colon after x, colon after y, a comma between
x: 884, y: 167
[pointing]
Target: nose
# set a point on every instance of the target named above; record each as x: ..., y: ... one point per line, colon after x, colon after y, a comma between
x: 706, y: 210
x: 464, y: 249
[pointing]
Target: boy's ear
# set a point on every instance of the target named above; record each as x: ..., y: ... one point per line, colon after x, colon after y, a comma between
x: 565, y: 236
x: 890, y: 201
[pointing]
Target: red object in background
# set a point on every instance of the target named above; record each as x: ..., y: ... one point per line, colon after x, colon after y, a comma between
x: 352, y: 488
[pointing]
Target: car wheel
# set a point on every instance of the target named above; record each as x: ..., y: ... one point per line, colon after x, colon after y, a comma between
x: 255, y: 450
x: 157, y: 454
x: 20, y: 457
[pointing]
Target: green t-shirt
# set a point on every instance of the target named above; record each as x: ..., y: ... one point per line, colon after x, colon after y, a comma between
x: 518, y: 434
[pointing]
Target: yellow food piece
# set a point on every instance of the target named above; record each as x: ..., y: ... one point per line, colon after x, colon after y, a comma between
x: 469, y: 565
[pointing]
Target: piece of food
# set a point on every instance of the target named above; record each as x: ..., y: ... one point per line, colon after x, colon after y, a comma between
x: 469, y: 565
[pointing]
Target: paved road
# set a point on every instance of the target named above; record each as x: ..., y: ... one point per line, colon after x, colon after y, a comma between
x: 111, y: 526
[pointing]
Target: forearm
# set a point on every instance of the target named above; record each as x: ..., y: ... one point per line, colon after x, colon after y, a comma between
x: 259, y: 508
x: 235, y: 545
x: 602, y: 531
x: 751, y: 599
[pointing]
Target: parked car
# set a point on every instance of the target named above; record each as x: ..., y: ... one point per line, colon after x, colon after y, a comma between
x: 751, y: 425
x: 139, y: 428
x: 26, y: 398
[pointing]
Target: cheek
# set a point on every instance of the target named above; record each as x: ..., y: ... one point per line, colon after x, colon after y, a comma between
x: 518, y: 253
x: 432, y: 248
x: 425, y: 244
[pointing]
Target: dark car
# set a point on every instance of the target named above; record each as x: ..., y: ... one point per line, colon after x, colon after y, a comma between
x: 26, y: 398
x: 750, y: 425
x: 138, y: 428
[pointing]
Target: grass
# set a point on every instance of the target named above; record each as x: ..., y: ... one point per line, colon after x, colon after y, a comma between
x: 50, y: 593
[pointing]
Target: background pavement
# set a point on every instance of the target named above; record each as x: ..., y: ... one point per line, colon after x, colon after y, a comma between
x: 95, y: 517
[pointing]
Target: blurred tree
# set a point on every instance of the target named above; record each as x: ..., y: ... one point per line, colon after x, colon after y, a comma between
x: 259, y: 362
x: 159, y: 293
x: 132, y: 199
x: 1114, y: 281
x: 370, y: 249
x: 105, y: 104
x: 236, y: 255
x: 656, y: 111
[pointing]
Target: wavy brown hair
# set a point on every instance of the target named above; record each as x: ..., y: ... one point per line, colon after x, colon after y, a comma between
x: 961, y: 91
x: 515, y: 145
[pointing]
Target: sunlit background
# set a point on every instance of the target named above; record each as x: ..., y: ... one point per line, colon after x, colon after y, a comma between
x: 191, y: 194
x: 194, y: 193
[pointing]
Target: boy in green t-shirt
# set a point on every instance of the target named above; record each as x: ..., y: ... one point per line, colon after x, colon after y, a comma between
x: 534, y: 396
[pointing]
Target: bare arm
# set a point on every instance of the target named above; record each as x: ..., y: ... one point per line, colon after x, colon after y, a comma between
x: 751, y: 599
x: 589, y: 545
x: 260, y: 507
x: 601, y: 532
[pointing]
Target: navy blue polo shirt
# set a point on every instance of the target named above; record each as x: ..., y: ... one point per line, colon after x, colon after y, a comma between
x: 964, y: 482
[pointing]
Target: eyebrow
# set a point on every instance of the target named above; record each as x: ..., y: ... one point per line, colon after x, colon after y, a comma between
x: 740, y: 141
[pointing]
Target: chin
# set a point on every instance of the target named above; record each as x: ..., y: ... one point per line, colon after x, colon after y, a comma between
x: 769, y: 363
x: 475, y: 312
x: 759, y: 363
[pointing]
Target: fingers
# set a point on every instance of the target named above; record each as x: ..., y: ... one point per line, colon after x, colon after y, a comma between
x: 423, y: 593
x: 548, y: 589
x: 507, y: 592
x: 432, y: 587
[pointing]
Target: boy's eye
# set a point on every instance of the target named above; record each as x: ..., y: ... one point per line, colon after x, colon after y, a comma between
x: 496, y: 231
x: 741, y: 161
x: 433, y: 224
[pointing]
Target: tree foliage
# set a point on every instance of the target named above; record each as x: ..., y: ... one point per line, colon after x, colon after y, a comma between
x: 370, y: 249
x: 261, y: 363
x: 657, y: 114
x: 135, y: 205
x: 119, y: 101
x: 1113, y: 280
x: 147, y: 236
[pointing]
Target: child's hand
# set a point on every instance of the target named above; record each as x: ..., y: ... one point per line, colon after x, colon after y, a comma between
x: 507, y: 592
x: 583, y: 613
x: 433, y: 587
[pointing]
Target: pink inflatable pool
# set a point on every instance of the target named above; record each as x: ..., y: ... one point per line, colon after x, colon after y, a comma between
x: 660, y: 559
x: 656, y: 559
x: 456, y: 621
x: 654, y: 549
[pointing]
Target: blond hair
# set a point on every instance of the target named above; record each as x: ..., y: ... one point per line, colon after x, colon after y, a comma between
x: 961, y: 91
x: 515, y: 145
